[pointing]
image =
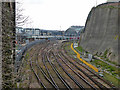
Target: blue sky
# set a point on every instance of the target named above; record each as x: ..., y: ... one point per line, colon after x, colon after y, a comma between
x: 57, y: 14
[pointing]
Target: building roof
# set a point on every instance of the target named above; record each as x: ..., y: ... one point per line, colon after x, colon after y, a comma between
x: 74, y: 30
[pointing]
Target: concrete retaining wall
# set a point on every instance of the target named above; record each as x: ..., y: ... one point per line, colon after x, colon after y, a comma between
x: 101, y: 31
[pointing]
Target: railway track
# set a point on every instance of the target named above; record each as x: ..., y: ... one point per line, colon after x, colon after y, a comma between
x: 48, y: 71
x: 32, y: 68
x: 80, y: 86
x: 94, y: 86
x: 40, y: 84
x: 76, y: 72
x: 68, y: 73
x: 59, y: 75
x: 70, y: 83
x: 90, y: 74
x: 53, y: 73
x: 38, y: 79
x: 53, y: 83
x: 45, y: 79
x: 42, y: 79
x: 71, y: 76
x: 53, y: 68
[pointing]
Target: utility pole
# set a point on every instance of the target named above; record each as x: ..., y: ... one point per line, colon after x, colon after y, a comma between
x: 60, y: 32
x: 60, y: 28
x: 96, y: 2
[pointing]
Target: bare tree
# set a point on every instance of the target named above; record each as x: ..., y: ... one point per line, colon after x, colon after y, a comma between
x: 21, y: 19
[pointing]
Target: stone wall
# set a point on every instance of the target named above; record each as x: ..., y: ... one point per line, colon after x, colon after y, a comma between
x: 101, y: 31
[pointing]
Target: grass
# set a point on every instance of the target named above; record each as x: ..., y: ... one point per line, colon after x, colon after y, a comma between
x: 80, y: 49
x: 68, y: 48
x: 27, y: 55
x: 105, y: 53
x: 106, y: 59
x: 115, y: 71
x: 111, y: 78
x: 25, y: 68
x: 104, y: 56
x: 111, y: 62
x: 110, y: 6
x: 98, y: 63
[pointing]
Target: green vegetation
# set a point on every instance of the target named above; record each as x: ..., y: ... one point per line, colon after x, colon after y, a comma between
x: 111, y: 61
x: 24, y: 71
x: 105, y: 53
x: 68, y: 48
x: 80, y: 49
x: 110, y: 72
x: 110, y: 6
x: 116, y: 37
x: 27, y: 55
x: 113, y: 70
x: 104, y: 56
x: 111, y: 78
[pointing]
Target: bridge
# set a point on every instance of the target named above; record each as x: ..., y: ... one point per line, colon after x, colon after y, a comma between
x: 55, y: 37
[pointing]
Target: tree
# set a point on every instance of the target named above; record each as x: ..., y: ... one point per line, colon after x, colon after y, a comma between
x: 8, y: 37
x: 8, y: 40
x: 21, y: 19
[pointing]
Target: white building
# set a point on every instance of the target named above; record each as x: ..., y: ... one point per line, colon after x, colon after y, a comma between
x: 19, y: 29
x: 36, y: 32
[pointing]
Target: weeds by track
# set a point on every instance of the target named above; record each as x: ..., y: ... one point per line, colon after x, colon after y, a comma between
x: 40, y: 74
x: 59, y: 75
x: 32, y: 68
x: 49, y: 75
x: 77, y: 83
x: 90, y: 74
x: 76, y: 72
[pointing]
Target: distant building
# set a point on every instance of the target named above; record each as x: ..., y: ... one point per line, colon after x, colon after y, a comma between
x: 36, y: 32
x: 23, y: 34
x: 29, y: 31
x: 20, y: 35
x: 19, y: 30
x: 74, y: 31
